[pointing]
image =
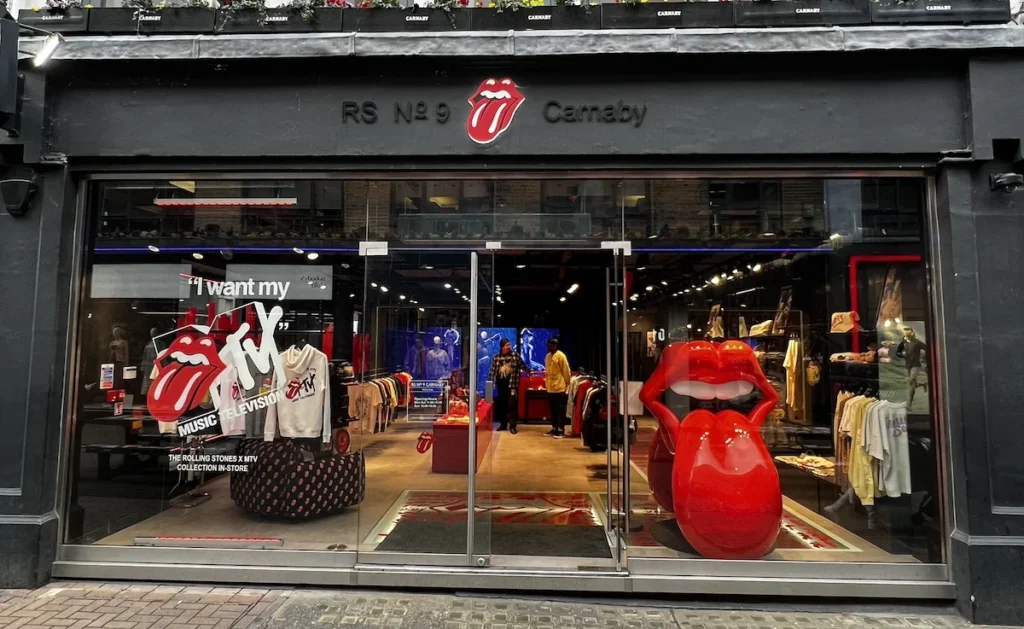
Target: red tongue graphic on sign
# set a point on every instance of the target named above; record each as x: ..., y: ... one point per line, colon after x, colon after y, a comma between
x: 185, y: 372
x: 492, y: 108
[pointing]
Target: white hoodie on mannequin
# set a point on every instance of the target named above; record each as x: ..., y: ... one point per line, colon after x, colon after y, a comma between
x: 304, y: 410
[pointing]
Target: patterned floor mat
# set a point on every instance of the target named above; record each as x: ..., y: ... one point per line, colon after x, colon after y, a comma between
x: 534, y: 508
x: 797, y: 532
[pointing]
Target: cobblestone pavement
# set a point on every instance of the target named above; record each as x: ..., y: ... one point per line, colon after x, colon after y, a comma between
x: 141, y: 606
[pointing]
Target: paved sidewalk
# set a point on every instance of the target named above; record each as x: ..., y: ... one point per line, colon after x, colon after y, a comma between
x: 140, y: 606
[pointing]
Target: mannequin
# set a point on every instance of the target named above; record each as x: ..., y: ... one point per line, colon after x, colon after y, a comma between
x: 439, y: 363
x: 119, y: 347
x: 416, y: 359
x: 148, y: 358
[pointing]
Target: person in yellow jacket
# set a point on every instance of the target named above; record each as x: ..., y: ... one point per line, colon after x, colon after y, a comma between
x: 556, y: 380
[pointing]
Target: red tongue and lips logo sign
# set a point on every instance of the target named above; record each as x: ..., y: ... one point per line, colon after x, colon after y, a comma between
x: 712, y: 470
x: 185, y: 372
x: 492, y: 108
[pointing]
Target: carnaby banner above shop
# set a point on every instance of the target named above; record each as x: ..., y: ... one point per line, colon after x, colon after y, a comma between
x: 471, y: 113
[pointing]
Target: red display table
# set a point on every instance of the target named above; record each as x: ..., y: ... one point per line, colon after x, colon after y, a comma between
x: 450, y: 452
x: 533, y: 398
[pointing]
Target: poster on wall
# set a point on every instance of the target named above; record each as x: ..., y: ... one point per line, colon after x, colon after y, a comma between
x: 903, y: 376
x: 782, y: 312
x: 488, y: 343
x: 890, y: 305
x: 533, y: 346
x: 107, y: 376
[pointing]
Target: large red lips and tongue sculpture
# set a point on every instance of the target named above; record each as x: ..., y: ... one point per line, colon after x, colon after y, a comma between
x: 185, y: 372
x: 492, y: 108
x: 713, y: 471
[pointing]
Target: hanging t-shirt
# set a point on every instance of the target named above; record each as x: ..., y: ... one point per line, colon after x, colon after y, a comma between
x: 861, y: 471
x: 792, y: 366
x: 886, y: 441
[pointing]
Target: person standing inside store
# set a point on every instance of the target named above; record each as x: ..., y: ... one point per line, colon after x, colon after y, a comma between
x: 505, y: 370
x: 556, y: 381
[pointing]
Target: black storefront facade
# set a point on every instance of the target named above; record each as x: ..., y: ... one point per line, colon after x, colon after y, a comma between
x: 939, y: 120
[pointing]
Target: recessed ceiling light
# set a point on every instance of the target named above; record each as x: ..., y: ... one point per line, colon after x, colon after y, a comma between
x: 402, y: 297
x: 664, y: 283
x: 345, y: 265
x: 383, y: 289
x: 197, y: 256
x: 641, y: 268
x: 154, y: 249
x: 573, y: 289
x: 428, y: 267
x: 650, y: 288
x: 298, y: 251
x: 447, y: 285
x: 561, y: 299
x: 689, y: 326
x: 352, y: 296
x: 373, y: 284
x: 757, y: 268
x: 520, y: 266
x: 716, y: 280
x: 458, y: 292
x: 421, y: 310
x: 312, y: 255
x: 686, y: 290
x: 634, y: 297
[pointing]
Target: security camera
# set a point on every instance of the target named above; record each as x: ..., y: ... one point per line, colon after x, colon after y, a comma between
x: 1005, y: 182
x: 16, y: 192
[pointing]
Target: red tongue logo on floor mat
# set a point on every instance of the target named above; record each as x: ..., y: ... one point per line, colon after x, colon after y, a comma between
x: 492, y: 108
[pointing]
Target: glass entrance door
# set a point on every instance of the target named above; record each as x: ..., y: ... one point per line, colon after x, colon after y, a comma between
x: 418, y: 422
x: 548, y: 360
x: 620, y: 431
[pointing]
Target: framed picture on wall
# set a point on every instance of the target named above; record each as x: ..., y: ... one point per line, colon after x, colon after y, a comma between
x: 890, y: 305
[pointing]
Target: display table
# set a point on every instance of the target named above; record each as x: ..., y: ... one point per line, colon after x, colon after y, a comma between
x: 533, y: 398
x: 450, y: 452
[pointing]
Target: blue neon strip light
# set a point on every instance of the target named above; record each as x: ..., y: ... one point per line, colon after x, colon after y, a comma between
x: 233, y: 249
x: 731, y: 250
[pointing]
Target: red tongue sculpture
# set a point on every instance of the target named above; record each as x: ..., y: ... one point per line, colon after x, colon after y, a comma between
x: 713, y: 471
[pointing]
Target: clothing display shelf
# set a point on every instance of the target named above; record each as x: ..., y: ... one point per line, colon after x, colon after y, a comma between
x: 776, y: 343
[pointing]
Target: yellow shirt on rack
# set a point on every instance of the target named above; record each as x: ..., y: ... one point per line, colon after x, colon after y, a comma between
x: 556, y: 372
x: 862, y: 473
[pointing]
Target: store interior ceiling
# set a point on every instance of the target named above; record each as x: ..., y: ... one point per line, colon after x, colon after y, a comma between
x: 544, y: 280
